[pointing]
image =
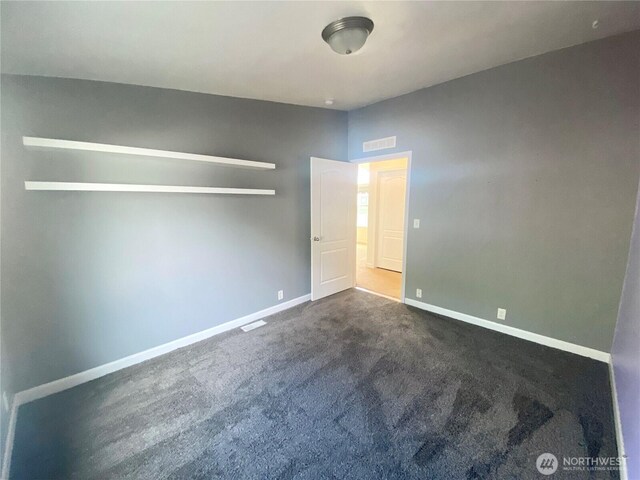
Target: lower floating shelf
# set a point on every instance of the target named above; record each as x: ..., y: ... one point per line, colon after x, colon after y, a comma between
x: 123, y: 187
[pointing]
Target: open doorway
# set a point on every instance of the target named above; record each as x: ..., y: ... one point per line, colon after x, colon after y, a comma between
x: 381, y: 217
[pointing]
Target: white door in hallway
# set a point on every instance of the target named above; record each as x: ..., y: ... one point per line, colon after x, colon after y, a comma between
x: 333, y: 226
x: 392, y: 186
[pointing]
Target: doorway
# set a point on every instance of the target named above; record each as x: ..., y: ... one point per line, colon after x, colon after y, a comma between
x: 380, y: 223
x: 354, y: 243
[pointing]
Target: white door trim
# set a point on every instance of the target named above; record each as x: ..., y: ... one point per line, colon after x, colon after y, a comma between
x: 392, y: 156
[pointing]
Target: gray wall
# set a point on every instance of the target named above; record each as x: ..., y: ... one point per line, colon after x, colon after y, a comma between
x: 524, y: 178
x: 4, y: 387
x: 89, y: 278
x: 625, y: 353
x: 4, y: 371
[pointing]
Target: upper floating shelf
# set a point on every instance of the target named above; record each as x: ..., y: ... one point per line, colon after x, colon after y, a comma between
x: 125, y: 187
x: 53, y: 143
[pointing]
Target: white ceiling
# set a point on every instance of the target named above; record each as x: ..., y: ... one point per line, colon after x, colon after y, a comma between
x: 273, y: 50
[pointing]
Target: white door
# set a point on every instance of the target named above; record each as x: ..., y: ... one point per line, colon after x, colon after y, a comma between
x: 333, y: 226
x: 392, y: 186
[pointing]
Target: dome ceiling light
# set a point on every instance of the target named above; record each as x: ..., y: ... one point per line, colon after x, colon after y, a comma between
x: 347, y: 35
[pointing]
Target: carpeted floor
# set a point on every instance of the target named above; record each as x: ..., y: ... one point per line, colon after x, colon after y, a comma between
x: 351, y: 386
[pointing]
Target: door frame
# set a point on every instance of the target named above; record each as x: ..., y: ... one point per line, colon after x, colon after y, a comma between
x: 392, y: 156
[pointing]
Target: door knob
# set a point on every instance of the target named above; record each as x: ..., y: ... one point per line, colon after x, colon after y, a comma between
x: 316, y: 239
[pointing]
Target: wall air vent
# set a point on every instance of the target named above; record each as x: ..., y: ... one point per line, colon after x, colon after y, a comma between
x: 379, y: 144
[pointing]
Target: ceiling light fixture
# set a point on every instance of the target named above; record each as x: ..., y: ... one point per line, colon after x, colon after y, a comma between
x: 347, y: 35
x: 328, y: 101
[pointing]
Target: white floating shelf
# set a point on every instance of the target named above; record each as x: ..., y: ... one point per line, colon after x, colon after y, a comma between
x: 52, y: 143
x: 124, y: 187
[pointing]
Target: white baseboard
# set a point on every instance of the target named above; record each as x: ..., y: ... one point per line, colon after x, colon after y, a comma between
x: 8, y: 445
x: 515, y: 332
x: 71, y: 381
x: 618, y: 424
x: 65, y: 383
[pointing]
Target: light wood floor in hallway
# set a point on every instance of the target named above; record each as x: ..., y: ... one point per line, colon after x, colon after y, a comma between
x: 377, y: 280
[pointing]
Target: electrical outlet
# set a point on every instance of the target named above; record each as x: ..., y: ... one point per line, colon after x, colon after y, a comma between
x: 280, y: 294
x: 502, y: 314
x: 416, y: 223
x: 5, y: 402
x: 418, y: 293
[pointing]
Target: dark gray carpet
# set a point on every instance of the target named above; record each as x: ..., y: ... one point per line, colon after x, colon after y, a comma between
x: 351, y: 386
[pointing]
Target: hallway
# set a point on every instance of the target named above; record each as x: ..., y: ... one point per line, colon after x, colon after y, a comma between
x: 378, y: 280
